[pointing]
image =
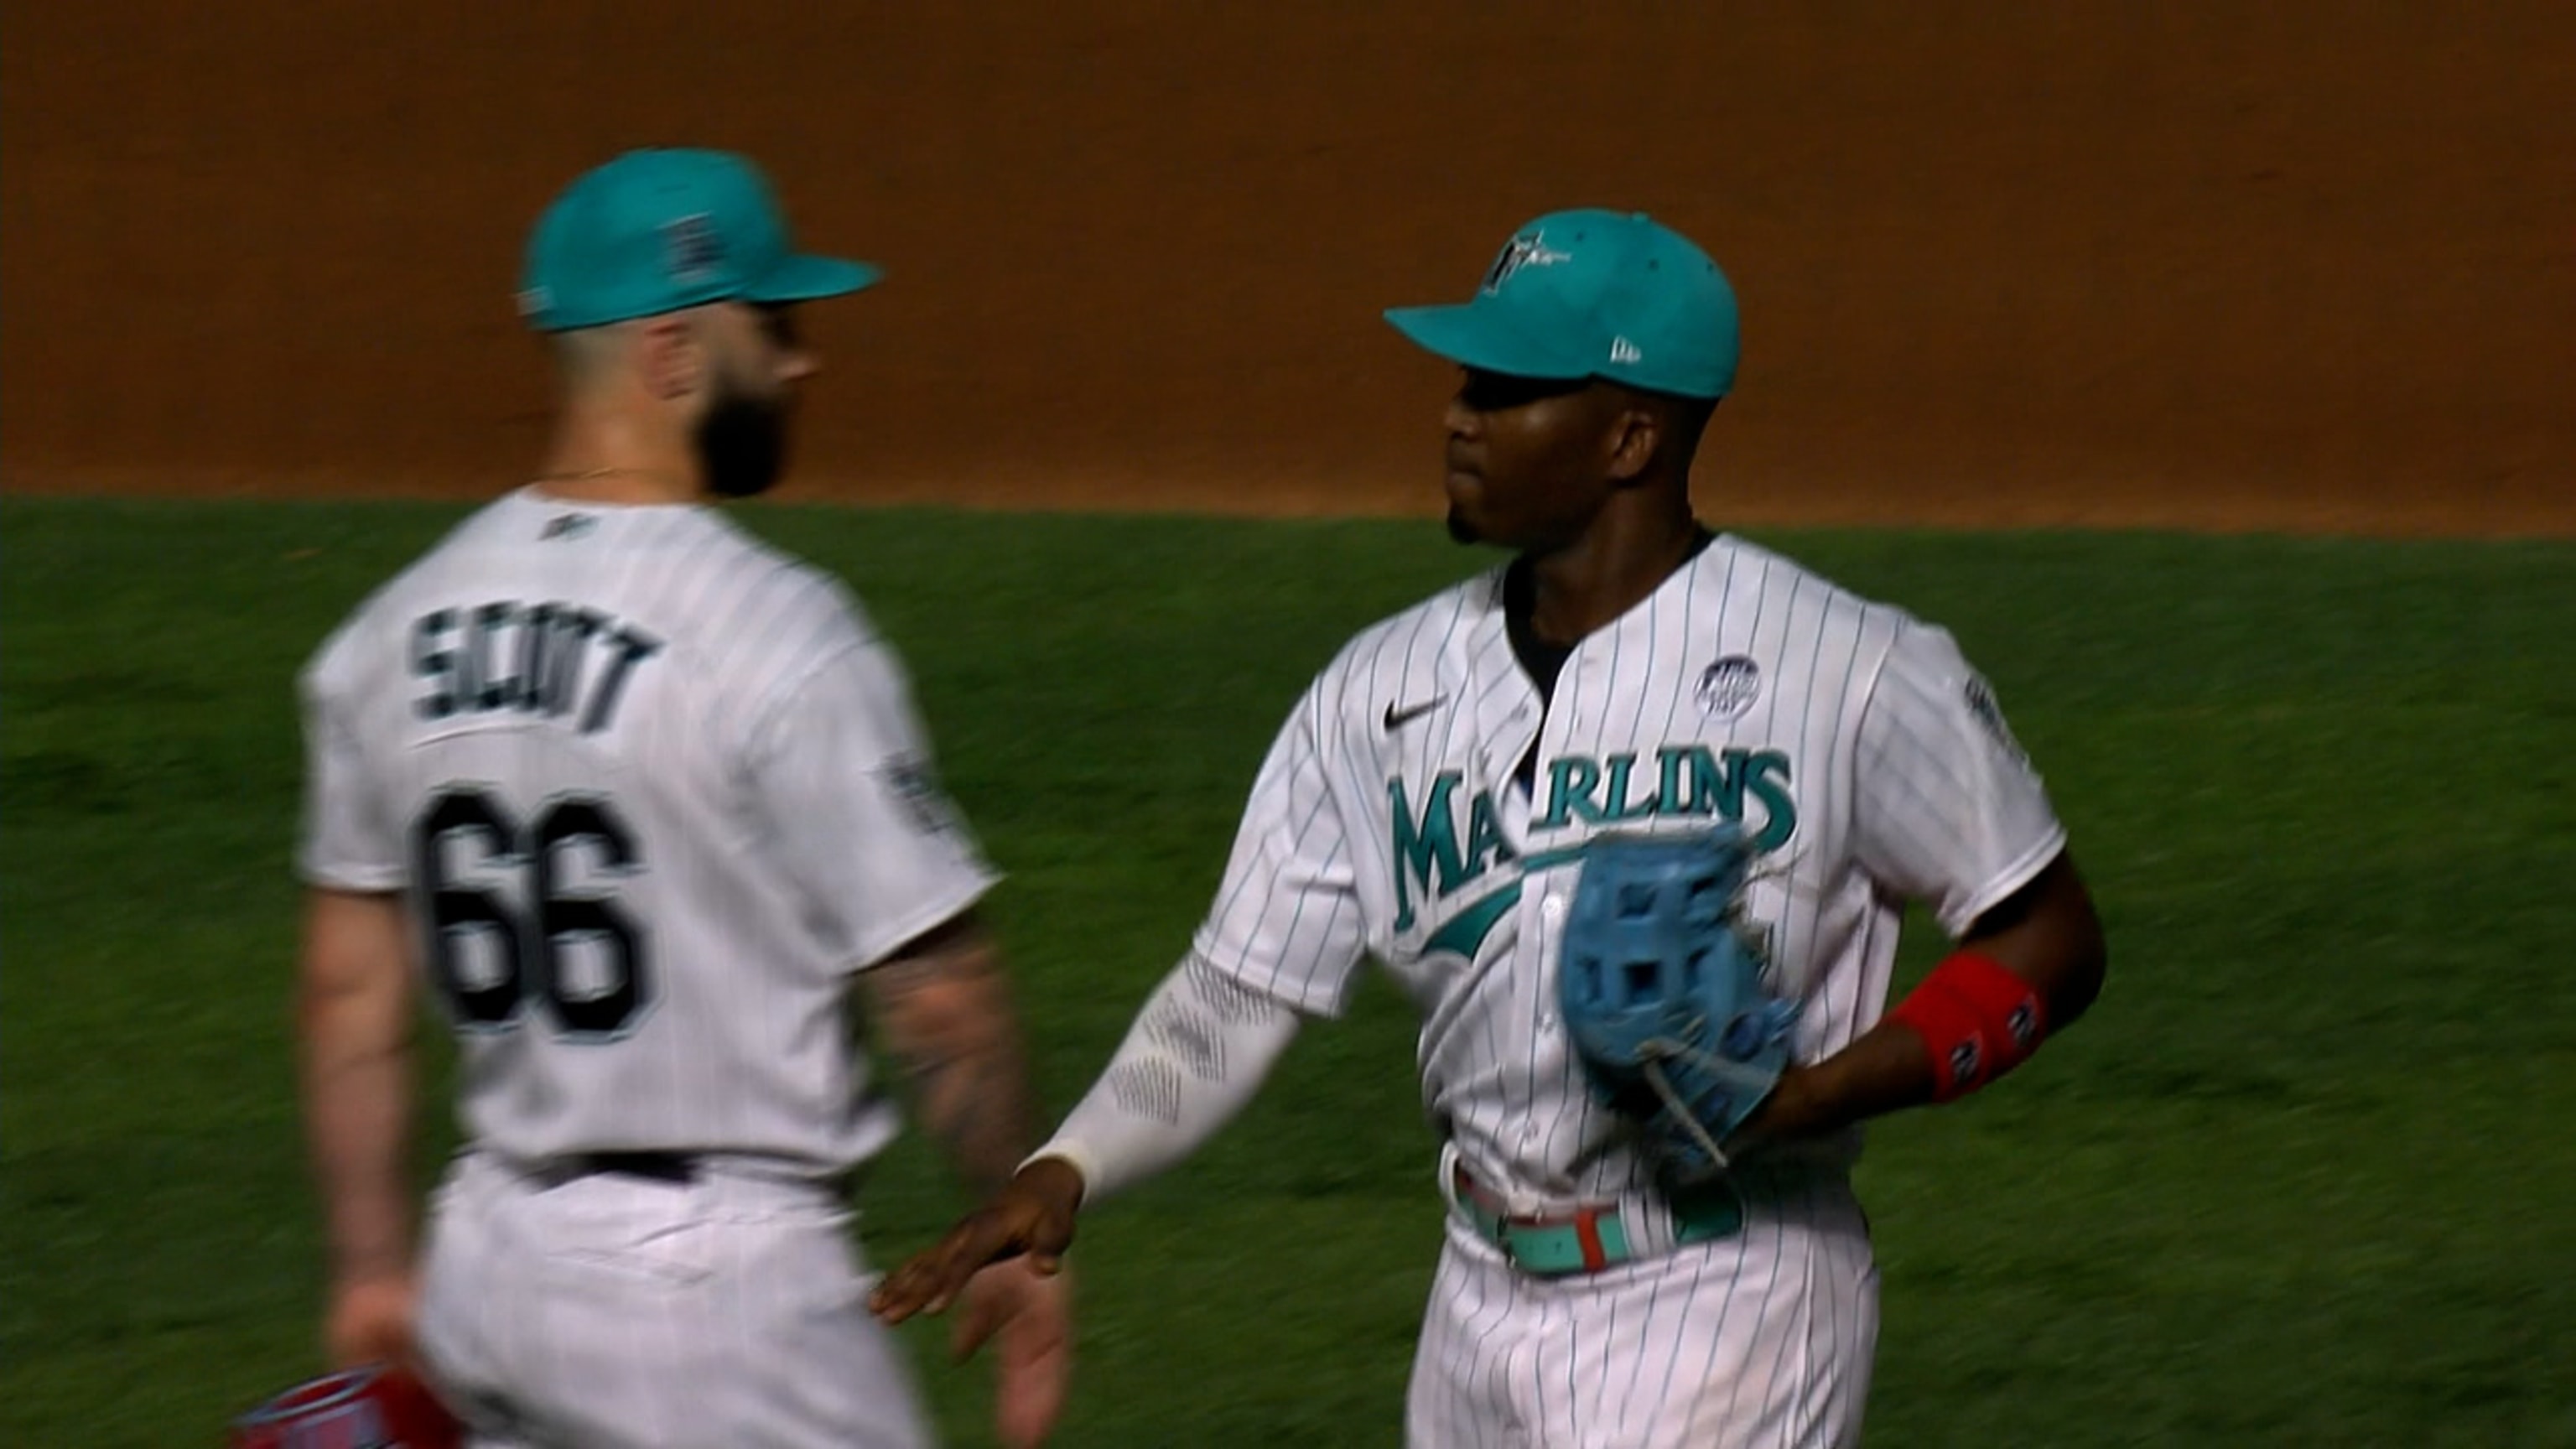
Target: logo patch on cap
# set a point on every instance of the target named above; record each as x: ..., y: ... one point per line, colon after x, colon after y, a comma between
x: 691, y: 250
x: 1623, y: 352
x: 1519, y: 252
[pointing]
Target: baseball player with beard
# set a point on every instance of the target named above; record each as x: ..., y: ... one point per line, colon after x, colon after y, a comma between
x: 644, y: 804
x: 1430, y: 802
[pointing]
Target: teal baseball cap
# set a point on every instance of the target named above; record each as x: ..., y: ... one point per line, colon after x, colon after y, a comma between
x: 1593, y: 293
x: 656, y: 230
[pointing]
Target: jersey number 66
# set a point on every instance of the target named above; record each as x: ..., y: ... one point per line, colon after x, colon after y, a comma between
x: 495, y: 944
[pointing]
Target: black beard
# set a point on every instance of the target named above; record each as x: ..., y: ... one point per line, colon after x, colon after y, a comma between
x: 1460, y: 530
x: 742, y: 445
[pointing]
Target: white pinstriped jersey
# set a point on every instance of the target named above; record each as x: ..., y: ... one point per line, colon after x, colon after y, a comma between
x: 653, y: 790
x: 1855, y: 745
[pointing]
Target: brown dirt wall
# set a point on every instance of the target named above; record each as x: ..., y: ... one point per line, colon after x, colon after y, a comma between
x: 2208, y: 263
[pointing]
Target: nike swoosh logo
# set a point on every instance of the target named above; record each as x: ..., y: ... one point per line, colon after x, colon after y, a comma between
x: 1398, y: 718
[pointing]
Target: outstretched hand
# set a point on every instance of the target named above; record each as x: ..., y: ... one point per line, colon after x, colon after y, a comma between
x: 1032, y: 1217
x: 1028, y: 1317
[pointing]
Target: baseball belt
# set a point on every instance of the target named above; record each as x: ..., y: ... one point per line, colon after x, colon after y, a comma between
x: 1589, y: 1238
x: 676, y: 1168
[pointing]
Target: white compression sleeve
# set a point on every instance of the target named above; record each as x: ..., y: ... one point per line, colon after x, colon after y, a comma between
x: 1198, y: 1051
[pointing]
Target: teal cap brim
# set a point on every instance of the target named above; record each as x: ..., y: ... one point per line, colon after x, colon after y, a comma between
x: 1479, y: 337
x: 806, y: 279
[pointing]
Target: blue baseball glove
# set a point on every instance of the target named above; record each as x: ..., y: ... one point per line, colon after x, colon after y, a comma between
x: 1661, y: 988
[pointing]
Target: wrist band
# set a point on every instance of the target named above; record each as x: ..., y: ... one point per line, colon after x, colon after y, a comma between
x: 1977, y: 1019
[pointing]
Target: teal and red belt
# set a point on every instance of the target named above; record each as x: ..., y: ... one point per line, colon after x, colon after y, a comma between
x: 1592, y: 1237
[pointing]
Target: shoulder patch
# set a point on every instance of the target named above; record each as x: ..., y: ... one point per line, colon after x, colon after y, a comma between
x: 910, y: 779
x: 1981, y: 703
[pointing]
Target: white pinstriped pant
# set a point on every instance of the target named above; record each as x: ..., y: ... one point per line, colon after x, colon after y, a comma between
x: 616, y: 1312
x: 1763, y: 1340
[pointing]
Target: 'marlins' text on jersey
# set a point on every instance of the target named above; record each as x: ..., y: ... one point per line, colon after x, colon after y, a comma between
x: 1682, y: 781
x: 530, y: 658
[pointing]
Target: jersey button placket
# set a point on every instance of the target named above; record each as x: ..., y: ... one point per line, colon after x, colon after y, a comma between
x: 1551, y: 911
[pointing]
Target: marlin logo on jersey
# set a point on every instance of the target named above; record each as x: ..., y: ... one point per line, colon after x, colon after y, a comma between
x: 1427, y: 853
x: 1438, y: 852
x: 1685, y: 781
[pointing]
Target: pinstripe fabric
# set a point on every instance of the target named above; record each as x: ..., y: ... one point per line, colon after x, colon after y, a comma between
x: 1763, y: 1340
x: 616, y: 1313
x: 752, y: 820
x: 1858, y: 748
x: 771, y: 768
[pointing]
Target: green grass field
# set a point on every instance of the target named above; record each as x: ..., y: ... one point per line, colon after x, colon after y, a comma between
x: 2305, y: 1177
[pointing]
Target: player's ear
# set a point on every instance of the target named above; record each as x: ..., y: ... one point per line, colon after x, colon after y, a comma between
x: 1636, y: 433
x: 670, y: 357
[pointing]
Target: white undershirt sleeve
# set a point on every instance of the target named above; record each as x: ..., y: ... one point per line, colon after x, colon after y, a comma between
x: 1197, y: 1053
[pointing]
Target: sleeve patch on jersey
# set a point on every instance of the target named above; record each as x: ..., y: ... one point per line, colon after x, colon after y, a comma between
x: 1981, y: 703
x: 911, y: 780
